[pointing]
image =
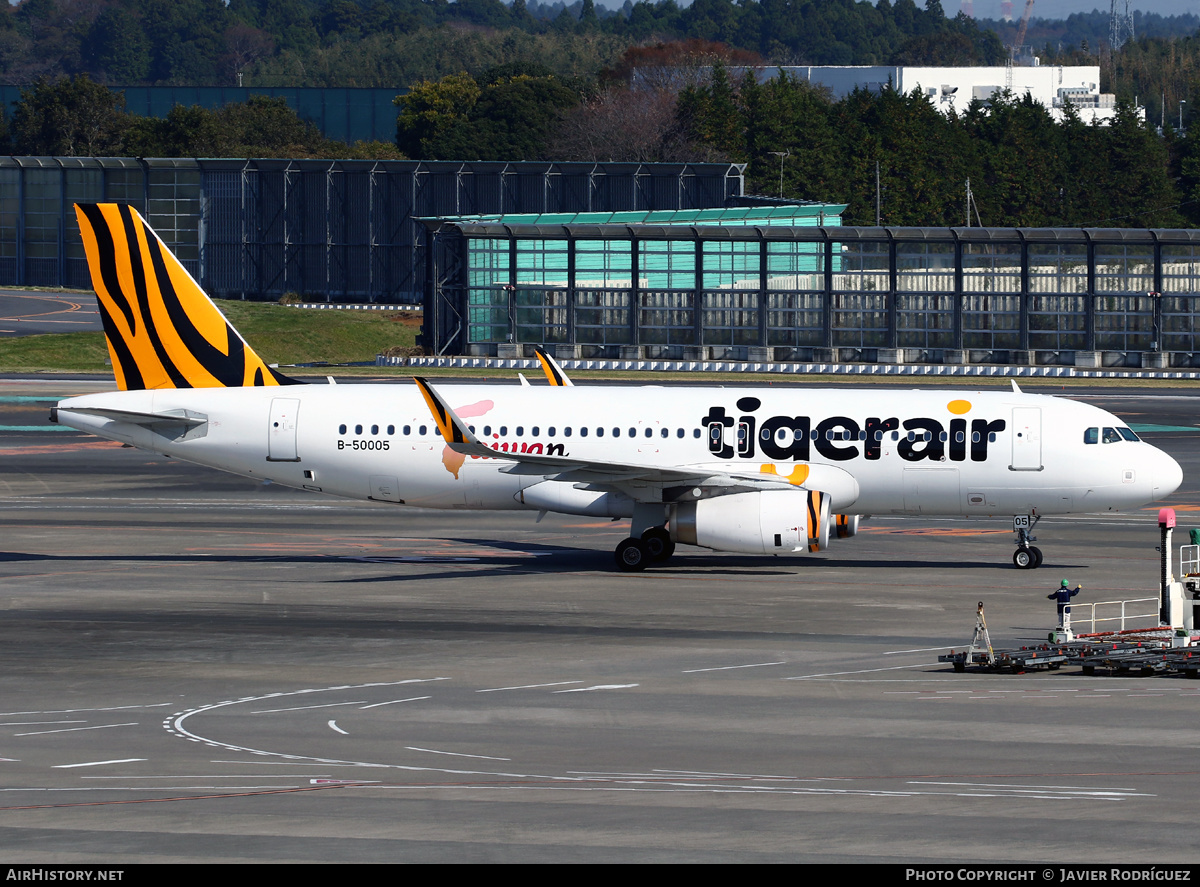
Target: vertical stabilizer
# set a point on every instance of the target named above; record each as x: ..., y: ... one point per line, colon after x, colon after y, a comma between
x: 163, y: 331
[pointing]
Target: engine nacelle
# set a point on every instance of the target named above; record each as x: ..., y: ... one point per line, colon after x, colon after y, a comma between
x: 845, y: 525
x: 766, y: 522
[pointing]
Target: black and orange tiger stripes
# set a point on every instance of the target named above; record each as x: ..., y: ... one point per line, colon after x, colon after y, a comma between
x: 163, y: 331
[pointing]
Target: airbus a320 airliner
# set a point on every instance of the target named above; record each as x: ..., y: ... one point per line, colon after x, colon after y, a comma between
x: 759, y: 471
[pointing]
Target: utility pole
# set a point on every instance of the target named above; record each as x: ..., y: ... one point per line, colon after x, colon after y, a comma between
x: 878, y: 213
x: 781, y: 155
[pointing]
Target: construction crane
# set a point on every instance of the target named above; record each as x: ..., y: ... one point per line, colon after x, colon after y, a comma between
x: 1021, y: 28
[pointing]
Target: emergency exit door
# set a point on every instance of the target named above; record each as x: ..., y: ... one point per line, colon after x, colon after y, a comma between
x: 281, y: 430
x: 1026, y: 439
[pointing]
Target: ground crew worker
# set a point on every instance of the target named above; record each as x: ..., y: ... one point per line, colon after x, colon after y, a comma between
x: 1063, y: 595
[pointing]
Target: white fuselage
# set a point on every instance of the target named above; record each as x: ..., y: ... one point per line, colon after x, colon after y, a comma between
x: 874, y: 451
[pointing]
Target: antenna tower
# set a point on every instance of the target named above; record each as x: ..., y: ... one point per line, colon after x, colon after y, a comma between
x: 1120, y: 28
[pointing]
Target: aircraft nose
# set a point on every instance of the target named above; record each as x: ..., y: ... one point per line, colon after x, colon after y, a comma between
x: 1166, y: 474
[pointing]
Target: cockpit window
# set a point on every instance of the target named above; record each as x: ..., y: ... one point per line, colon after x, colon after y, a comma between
x: 1111, y: 436
x: 1128, y: 434
x: 1091, y: 436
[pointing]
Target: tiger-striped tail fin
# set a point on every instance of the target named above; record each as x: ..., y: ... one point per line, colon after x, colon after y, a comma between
x: 163, y: 330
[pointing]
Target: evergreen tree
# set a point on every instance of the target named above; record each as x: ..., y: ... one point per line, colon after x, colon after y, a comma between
x: 73, y: 117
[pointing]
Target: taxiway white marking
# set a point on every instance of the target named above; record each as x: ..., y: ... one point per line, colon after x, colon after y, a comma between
x: 434, y: 751
x: 73, y: 729
x: 528, y: 686
x: 598, y: 687
x: 156, y: 788
x: 394, y: 701
x: 333, y: 726
x: 208, y: 775
x: 732, y: 667
x: 295, y: 763
x: 918, y: 650
x: 75, y: 711
x: 271, y: 711
x: 175, y: 725
x: 1073, y: 789
x: 835, y: 674
x: 98, y: 764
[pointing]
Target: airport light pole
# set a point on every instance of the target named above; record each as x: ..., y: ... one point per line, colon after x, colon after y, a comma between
x: 781, y: 155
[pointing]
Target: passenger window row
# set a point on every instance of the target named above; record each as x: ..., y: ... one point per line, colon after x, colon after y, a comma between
x: 783, y: 434
x: 406, y: 431
x: 568, y: 431
x: 519, y: 431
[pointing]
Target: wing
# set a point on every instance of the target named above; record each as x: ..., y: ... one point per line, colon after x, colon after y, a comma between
x: 643, y: 483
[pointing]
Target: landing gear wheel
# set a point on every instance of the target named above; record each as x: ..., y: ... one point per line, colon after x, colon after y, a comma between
x: 631, y: 556
x: 1026, y: 557
x: 658, y: 544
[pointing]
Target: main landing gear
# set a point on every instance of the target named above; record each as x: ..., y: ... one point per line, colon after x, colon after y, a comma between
x: 648, y: 542
x: 1026, y: 557
x: 654, y: 546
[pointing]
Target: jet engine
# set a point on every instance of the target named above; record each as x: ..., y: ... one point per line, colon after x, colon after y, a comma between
x: 765, y: 522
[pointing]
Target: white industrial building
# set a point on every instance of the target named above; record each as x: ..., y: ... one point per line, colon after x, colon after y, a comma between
x: 954, y: 88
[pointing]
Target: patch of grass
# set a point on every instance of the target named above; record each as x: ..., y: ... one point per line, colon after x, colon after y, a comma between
x: 279, y: 334
x: 302, y: 335
x: 55, y: 352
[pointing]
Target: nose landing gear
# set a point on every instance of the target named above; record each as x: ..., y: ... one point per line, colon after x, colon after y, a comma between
x: 1026, y: 557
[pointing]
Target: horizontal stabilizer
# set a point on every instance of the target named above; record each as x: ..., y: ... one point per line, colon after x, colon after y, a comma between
x: 186, y: 418
x: 171, y: 424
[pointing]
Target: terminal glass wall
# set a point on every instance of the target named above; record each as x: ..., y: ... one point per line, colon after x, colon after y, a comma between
x: 668, y: 293
x: 487, y: 294
x: 795, y: 293
x: 861, y: 295
x: 731, y: 274
x: 1180, y: 300
x: 925, y: 290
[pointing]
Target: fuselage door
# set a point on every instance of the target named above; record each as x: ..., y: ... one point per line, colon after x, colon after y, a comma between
x: 281, y: 432
x: 1026, y: 439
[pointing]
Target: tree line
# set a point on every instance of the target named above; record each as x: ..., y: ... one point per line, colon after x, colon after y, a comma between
x: 1025, y: 169
x: 882, y: 152
x: 77, y: 117
x: 594, y: 95
x: 395, y: 42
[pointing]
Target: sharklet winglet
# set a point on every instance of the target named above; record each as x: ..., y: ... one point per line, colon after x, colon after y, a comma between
x: 554, y: 373
x: 454, y: 431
